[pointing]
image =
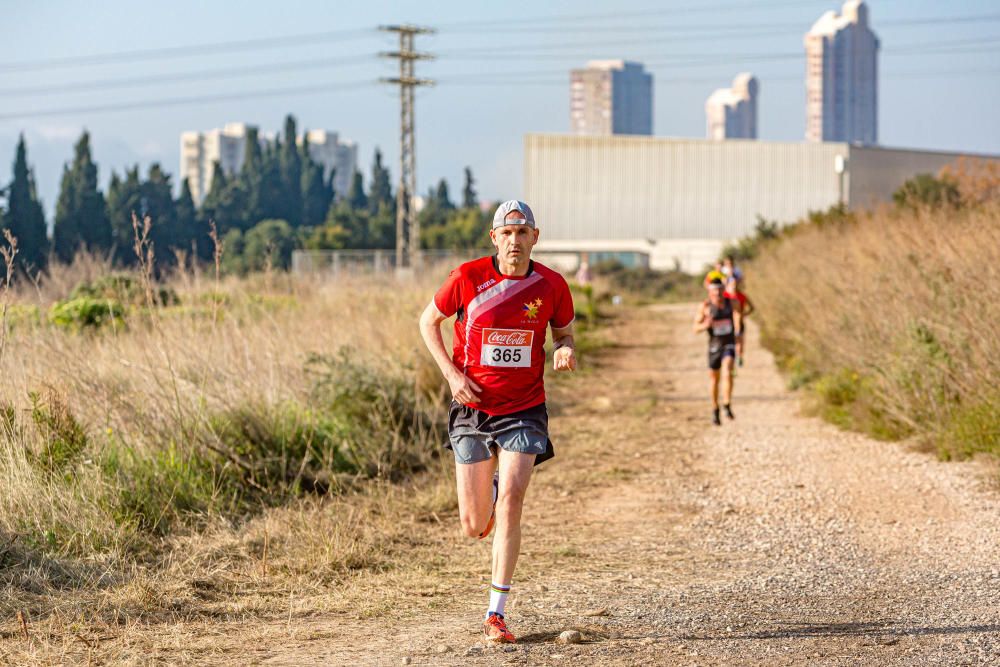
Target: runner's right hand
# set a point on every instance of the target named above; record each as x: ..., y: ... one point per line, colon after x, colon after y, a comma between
x: 463, y: 389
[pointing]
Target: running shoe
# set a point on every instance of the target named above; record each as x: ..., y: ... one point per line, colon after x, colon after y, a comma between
x: 493, y: 515
x: 715, y: 417
x: 496, y: 630
x: 729, y: 411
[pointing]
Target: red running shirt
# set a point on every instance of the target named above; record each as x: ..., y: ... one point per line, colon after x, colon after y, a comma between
x: 500, y: 329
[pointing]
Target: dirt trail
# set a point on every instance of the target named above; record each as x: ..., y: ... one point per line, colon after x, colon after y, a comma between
x: 775, y: 539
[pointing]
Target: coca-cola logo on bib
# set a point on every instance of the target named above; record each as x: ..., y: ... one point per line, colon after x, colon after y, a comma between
x: 514, y: 337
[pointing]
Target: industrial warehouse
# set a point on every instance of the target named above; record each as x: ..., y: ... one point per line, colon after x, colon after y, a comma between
x: 666, y: 203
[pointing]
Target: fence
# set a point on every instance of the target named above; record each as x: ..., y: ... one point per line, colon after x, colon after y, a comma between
x: 335, y: 263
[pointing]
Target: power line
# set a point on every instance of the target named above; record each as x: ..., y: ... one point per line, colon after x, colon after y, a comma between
x: 747, y: 29
x: 314, y: 88
x: 558, y: 77
x: 199, y: 75
x: 693, y: 59
x: 183, y: 51
x: 491, y: 24
x: 539, y: 51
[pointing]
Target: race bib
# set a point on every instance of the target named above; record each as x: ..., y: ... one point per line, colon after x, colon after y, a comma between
x: 722, y: 327
x: 508, y: 348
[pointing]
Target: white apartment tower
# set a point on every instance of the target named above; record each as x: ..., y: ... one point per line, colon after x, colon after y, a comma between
x: 842, y: 77
x: 731, y: 113
x: 611, y: 97
x: 200, y: 150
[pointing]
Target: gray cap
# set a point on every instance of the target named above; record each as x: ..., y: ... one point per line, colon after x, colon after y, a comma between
x: 500, y: 217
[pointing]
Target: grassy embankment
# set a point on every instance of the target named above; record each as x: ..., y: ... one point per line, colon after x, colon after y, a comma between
x: 889, y: 317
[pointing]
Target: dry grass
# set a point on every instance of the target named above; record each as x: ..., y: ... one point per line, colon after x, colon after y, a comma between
x: 122, y: 447
x: 892, y: 320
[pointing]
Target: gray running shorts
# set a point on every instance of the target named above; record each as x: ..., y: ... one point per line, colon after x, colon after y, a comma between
x: 473, y: 434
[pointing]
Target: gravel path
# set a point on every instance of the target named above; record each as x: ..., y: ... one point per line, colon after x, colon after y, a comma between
x: 775, y: 539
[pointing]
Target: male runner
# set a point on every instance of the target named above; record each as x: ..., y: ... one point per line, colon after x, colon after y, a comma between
x: 729, y: 269
x: 715, y: 273
x: 498, y: 425
x: 743, y: 302
x: 721, y: 320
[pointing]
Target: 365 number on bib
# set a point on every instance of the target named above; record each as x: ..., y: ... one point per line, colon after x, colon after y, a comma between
x: 507, y: 348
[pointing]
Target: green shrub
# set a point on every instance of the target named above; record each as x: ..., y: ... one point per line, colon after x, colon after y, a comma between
x: 63, y: 437
x: 154, y: 491
x: 123, y: 288
x: 379, y: 423
x: 972, y: 429
x: 926, y: 190
x: 23, y: 316
x: 86, y: 313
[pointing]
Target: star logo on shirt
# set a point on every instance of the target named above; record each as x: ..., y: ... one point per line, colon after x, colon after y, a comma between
x: 531, y: 308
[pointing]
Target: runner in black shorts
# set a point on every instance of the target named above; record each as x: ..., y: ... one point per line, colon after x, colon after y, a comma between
x: 498, y: 425
x: 721, y: 319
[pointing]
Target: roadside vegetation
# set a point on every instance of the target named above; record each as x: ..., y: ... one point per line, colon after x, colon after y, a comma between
x: 158, y: 437
x: 888, y: 317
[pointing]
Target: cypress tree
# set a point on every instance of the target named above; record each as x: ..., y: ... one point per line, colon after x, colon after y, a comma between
x: 189, y: 235
x: 225, y: 202
x: 469, y: 197
x: 124, y: 198
x: 356, y: 197
x: 380, y: 193
x: 158, y: 203
x: 316, y: 193
x: 250, y: 180
x: 81, y: 213
x: 24, y: 217
x: 271, y: 191
x: 441, y: 198
x: 291, y: 165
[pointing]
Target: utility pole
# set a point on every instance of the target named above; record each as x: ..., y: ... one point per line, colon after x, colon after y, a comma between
x: 407, y: 225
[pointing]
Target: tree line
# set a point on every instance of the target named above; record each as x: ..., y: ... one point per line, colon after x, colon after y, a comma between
x: 279, y: 200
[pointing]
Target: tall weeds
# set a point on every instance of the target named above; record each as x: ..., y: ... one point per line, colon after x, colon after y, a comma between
x: 207, y: 407
x: 891, y: 318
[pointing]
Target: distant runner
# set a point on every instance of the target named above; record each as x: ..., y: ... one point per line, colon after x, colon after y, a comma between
x: 721, y: 319
x: 715, y: 274
x: 734, y: 293
x: 504, y: 304
x: 729, y: 269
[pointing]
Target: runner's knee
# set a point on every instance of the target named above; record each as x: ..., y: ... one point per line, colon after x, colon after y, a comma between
x: 510, y: 499
x: 472, y: 525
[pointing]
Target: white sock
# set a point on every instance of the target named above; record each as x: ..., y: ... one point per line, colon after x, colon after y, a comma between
x: 498, y: 598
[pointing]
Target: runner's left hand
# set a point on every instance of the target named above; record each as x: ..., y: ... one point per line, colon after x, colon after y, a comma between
x: 564, y: 359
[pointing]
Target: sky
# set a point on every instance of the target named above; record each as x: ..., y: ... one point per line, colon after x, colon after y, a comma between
x: 502, y: 71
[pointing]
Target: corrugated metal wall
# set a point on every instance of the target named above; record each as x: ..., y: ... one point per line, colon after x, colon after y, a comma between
x: 620, y: 187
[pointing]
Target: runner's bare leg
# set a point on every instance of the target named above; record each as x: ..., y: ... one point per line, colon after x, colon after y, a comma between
x: 727, y: 383
x: 715, y: 388
x: 475, y: 494
x: 515, y: 473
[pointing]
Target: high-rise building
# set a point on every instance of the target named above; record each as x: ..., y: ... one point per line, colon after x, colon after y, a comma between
x: 611, y: 97
x: 731, y: 113
x: 842, y: 77
x: 200, y: 150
